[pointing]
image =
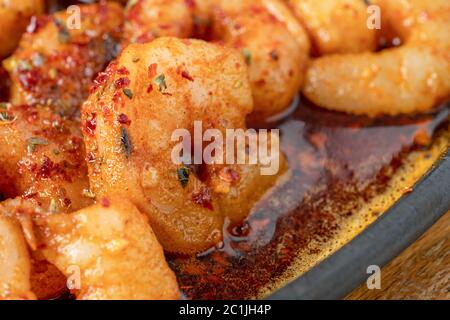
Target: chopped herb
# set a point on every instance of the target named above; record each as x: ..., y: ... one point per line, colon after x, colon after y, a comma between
x: 126, y: 142
x: 63, y: 32
x: 33, y: 142
x: 3, y: 105
x: 53, y: 207
x: 247, y: 56
x: 128, y: 93
x: 5, y: 117
x: 160, y: 81
x: 183, y: 176
x: 88, y: 193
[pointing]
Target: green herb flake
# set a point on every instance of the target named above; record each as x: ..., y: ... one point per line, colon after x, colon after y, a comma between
x: 247, y: 56
x: 63, y: 32
x: 88, y: 193
x: 128, y: 93
x: 183, y: 176
x: 125, y: 139
x: 7, y: 118
x: 33, y: 142
x: 160, y: 81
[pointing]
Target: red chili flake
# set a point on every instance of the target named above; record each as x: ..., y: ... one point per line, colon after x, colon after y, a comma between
x: 123, y: 119
x: 99, y: 81
x: 123, y: 71
x: 149, y: 88
x: 90, y: 157
x: 29, y: 78
x: 190, y: 3
x: 145, y: 38
x: 186, y: 75
x: 229, y: 175
x: 152, y: 69
x: 121, y: 83
x: 67, y: 202
x: 165, y: 26
x: 261, y: 82
x: 46, y: 168
x: 105, y: 202
x: 117, y: 97
x: 203, y: 198
x: 90, y: 124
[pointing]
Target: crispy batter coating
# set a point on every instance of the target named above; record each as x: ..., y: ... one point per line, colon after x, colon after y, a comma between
x: 128, y: 122
x: 336, y: 26
x: 112, y: 249
x: 57, y: 60
x: 42, y: 158
x: 14, y: 18
x: 411, y: 78
x: 274, y: 44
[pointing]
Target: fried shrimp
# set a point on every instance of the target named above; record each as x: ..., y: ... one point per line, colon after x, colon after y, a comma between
x: 42, y: 158
x: 335, y: 26
x: 57, y: 61
x: 128, y: 122
x: 112, y: 249
x: 276, y: 63
x: 411, y: 78
x: 14, y: 18
x: 14, y: 261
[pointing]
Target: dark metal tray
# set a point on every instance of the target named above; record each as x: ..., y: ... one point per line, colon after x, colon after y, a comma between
x: 387, y: 237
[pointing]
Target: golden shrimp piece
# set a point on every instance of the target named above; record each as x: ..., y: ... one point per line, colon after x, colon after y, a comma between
x: 276, y: 56
x: 336, y: 26
x: 274, y: 44
x: 42, y: 158
x: 14, y: 18
x: 15, y: 264
x: 411, y: 78
x: 108, y: 252
x: 128, y: 123
x: 57, y: 59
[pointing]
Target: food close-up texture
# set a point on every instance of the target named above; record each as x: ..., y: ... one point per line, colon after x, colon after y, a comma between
x: 93, y: 205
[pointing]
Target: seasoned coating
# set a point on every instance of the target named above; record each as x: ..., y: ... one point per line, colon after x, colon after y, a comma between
x: 112, y: 249
x: 149, y: 19
x: 42, y: 158
x: 276, y: 63
x: 336, y: 26
x: 56, y: 61
x: 411, y: 78
x: 274, y: 44
x: 14, y: 18
x: 130, y: 117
